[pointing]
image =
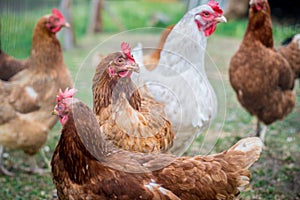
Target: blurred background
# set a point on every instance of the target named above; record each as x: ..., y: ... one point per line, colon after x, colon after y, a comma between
x: 18, y: 18
x: 276, y: 176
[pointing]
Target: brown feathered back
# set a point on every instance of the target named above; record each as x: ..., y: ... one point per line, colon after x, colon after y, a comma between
x: 291, y: 53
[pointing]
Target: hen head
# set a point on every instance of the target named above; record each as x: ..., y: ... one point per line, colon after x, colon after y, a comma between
x: 56, y: 21
x: 122, y: 64
x: 208, y: 16
x: 63, y: 103
x: 258, y: 5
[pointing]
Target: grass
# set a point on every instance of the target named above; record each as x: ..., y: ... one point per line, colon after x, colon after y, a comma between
x: 275, y: 176
x: 17, y: 27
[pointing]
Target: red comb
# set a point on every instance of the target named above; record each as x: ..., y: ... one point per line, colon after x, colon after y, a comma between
x: 68, y: 93
x: 56, y: 12
x: 126, y: 50
x: 215, y: 6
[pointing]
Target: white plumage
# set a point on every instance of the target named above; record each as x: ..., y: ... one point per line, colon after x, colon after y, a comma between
x: 180, y: 80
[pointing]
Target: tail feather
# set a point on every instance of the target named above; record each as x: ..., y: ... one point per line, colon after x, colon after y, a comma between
x: 159, y: 192
x: 296, y: 39
x: 251, y: 147
x: 240, y: 157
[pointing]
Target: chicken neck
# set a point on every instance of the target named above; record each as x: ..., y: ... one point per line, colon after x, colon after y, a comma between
x: 260, y: 26
x: 184, y: 44
x: 46, y: 52
x: 108, y: 90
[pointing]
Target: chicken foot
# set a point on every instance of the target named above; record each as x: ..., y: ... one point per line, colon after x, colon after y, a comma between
x: 2, y: 169
x: 34, y: 168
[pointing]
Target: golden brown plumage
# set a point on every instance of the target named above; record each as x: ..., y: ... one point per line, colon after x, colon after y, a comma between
x: 27, y: 99
x: 9, y: 66
x: 86, y: 166
x: 151, y: 60
x: 291, y: 52
x: 261, y: 77
x: 128, y: 115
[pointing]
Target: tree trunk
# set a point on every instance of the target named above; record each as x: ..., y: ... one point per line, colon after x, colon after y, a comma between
x: 236, y: 9
x: 69, y: 40
x: 95, y: 25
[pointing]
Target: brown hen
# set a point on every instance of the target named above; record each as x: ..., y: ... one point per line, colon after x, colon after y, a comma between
x: 128, y: 115
x: 262, y: 77
x: 86, y: 166
x: 27, y: 99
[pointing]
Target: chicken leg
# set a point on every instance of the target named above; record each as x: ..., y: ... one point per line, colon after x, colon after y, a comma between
x: 34, y: 168
x: 261, y: 130
x: 2, y: 169
x: 46, y: 160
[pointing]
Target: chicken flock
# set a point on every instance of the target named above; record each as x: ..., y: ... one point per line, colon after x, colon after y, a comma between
x: 130, y: 144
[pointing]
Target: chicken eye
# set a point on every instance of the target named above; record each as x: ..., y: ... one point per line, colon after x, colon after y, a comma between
x: 119, y: 60
x: 60, y: 107
x: 205, y: 14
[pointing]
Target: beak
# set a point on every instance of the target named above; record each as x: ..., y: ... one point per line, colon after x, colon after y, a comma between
x: 54, y: 112
x: 67, y: 25
x: 221, y: 19
x: 134, y: 68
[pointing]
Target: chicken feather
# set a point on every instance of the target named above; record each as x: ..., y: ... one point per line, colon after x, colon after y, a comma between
x: 87, y: 166
x: 28, y: 97
x: 179, y: 80
x: 262, y: 77
x: 128, y: 115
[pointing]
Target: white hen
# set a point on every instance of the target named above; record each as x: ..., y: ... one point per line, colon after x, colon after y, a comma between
x: 180, y: 80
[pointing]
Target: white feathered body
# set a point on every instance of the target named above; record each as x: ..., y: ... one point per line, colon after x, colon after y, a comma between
x: 180, y: 81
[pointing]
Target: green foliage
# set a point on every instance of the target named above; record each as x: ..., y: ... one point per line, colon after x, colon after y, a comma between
x: 17, y: 27
x: 138, y: 14
x: 237, y: 28
x: 16, y: 32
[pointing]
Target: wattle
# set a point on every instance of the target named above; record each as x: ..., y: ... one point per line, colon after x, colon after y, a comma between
x: 123, y: 73
x: 210, y: 30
